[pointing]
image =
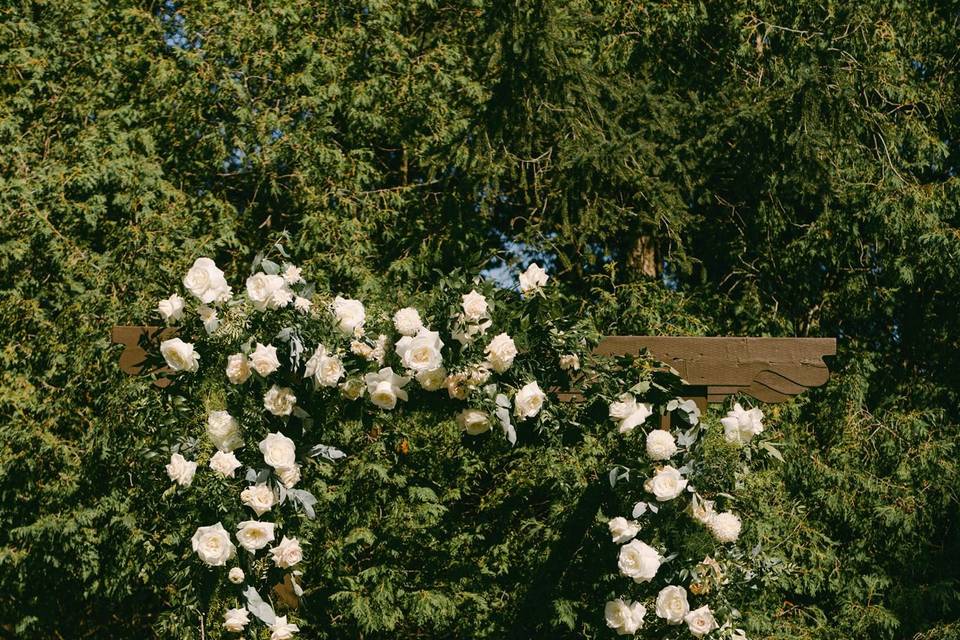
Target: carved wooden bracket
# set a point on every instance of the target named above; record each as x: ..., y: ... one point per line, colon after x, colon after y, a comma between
x: 768, y: 369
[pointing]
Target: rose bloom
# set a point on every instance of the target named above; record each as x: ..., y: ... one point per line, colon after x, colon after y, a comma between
x: 385, y: 388
x: 350, y: 314
x: 171, y: 309
x: 225, y: 463
x: 533, y: 279
x: 258, y: 497
x: 741, y: 425
x: 289, y: 476
x: 725, y: 527
x: 234, y: 620
x: 292, y: 275
x: 352, y: 388
x: 278, y: 450
x: 205, y: 281
x: 473, y: 421
x: 700, y: 621
x: 474, y: 306
x: 213, y: 545
x: 421, y: 353
x: 623, y: 530
x: 236, y: 576
x: 666, y: 484
x: 701, y: 510
x: 208, y: 315
x: 238, y: 368
x: 528, y: 401
x: 223, y: 430
x: 253, y: 535
x: 626, y: 618
x: 262, y: 289
x: 501, y: 352
x: 570, y: 362
x: 432, y: 380
x: 279, y: 401
x: 661, y: 445
x: 407, y: 321
x: 287, y: 553
x: 264, y: 359
x: 639, y: 561
x: 282, y: 630
x: 181, y: 470
x: 672, y: 604
x: 326, y: 369
x: 180, y: 355
x: 628, y: 413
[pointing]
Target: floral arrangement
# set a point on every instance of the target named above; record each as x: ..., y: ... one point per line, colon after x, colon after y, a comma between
x: 286, y: 355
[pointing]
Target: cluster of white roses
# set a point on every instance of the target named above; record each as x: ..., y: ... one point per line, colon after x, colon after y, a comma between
x: 419, y: 350
x: 640, y: 561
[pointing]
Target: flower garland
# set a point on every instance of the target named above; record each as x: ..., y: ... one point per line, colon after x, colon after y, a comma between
x: 322, y: 347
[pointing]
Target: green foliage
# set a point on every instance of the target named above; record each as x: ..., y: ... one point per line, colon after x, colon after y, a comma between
x: 794, y: 165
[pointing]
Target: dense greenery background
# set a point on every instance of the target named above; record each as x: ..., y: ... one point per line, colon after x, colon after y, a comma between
x: 791, y: 164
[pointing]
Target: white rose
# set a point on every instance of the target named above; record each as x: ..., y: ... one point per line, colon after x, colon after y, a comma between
x: 500, y: 352
x: 279, y: 401
x: 407, y: 321
x: 528, y: 401
x: 474, y: 306
x: 385, y: 387
x: 234, y: 620
x: 258, y: 497
x: 264, y: 359
x: 725, y: 527
x: 623, y: 530
x: 700, y: 621
x: 213, y: 545
x: 353, y: 388
x: 236, y: 577
x: 253, y: 534
x: 262, y: 289
x: 171, y: 309
x: 666, y: 484
x: 289, y: 476
x: 287, y: 553
x: 225, y: 463
x: 624, y: 617
x: 278, y: 450
x: 639, y: 561
x: 533, y: 279
x: 672, y: 604
x: 209, y: 318
x: 302, y: 304
x: 325, y: 368
x: 181, y: 470
x: 224, y: 431
x: 238, y: 368
x: 432, y: 380
x: 628, y: 413
x: 282, y: 630
x: 350, y: 314
x: 570, y: 362
x: 473, y: 421
x: 701, y: 510
x: 205, y: 281
x: 421, y: 353
x: 292, y: 275
x: 660, y: 445
x: 180, y: 355
x: 741, y: 425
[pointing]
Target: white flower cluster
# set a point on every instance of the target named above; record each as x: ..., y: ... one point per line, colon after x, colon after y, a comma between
x: 641, y: 562
x: 351, y: 363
